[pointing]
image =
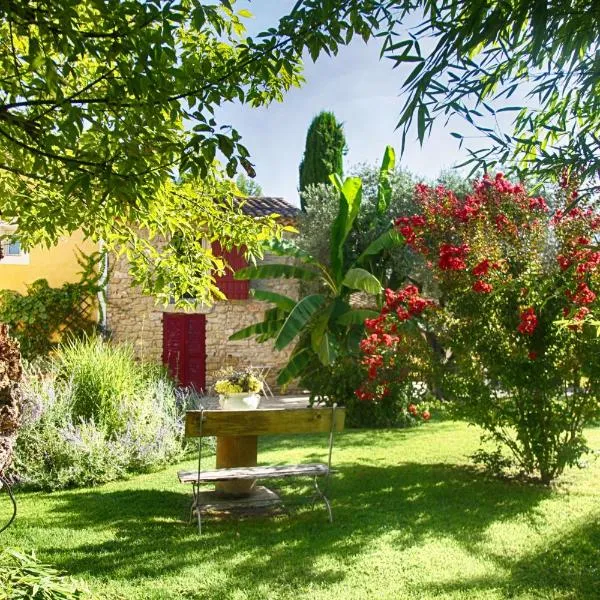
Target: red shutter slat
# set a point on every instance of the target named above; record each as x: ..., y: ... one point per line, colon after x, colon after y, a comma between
x: 231, y: 287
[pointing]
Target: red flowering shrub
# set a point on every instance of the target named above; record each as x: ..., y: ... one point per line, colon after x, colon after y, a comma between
x: 511, y: 336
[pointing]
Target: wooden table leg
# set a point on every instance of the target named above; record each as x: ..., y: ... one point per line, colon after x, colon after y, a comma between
x: 236, y: 451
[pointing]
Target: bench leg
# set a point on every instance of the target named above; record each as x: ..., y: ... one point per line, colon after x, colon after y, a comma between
x: 196, y: 505
x: 320, y: 494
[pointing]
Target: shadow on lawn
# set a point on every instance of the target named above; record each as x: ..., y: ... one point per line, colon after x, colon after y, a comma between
x: 409, y: 501
x: 569, y: 567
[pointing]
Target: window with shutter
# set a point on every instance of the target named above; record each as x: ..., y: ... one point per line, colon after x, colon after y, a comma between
x: 233, y: 289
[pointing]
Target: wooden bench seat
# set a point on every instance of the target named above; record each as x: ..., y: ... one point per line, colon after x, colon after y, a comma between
x: 270, y: 472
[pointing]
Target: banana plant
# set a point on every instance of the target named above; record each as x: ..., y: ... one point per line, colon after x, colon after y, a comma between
x: 323, y: 324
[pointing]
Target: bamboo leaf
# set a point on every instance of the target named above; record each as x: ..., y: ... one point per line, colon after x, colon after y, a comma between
x: 350, y: 197
x: 384, y: 187
x: 390, y: 239
x: 294, y: 367
x: 269, y: 328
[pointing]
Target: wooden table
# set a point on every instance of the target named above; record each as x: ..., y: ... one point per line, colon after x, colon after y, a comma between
x: 242, y: 450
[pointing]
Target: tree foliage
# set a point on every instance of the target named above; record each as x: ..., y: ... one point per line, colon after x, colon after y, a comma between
x: 105, y: 105
x: 477, y: 59
x: 323, y: 324
x: 323, y: 153
x: 393, y: 265
x: 248, y: 186
x: 513, y: 336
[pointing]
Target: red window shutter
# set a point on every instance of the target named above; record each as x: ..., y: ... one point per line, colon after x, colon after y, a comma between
x: 232, y: 288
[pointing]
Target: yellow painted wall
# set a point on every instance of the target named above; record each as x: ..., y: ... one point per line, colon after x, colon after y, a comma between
x: 57, y: 264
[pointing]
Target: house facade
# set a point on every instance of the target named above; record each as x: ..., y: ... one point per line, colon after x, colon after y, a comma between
x: 58, y: 264
x: 195, y: 344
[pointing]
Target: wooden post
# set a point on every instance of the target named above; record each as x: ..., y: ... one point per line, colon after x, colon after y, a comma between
x: 236, y: 451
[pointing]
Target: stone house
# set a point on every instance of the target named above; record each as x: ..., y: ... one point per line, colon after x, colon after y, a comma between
x: 195, y: 344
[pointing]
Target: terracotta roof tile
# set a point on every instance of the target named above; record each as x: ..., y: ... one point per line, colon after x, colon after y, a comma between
x: 262, y: 206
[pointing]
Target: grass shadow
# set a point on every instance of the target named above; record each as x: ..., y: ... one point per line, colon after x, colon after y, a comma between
x: 408, y: 501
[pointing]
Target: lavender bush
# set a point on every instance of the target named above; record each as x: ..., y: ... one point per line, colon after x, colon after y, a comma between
x: 92, y: 414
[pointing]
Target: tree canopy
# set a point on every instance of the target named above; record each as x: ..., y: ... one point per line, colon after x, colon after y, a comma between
x: 537, y: 61
x: 107, y: 106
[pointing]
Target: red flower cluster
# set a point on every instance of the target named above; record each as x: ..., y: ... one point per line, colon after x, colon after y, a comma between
x: 481, y: 287
x: 452, y: 258
x: 529, y: 321
x: 538, y: 204
x: 410, y: 228
x: 404, y: 303
x: 583, y: 294
x: 382, y: 343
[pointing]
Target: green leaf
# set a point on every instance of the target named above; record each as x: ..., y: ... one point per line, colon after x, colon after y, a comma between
x: 264, y: 327
x: 390, y: 239
x: 357, y: 316
x: 361, y: 279
x: 284, y: 302
x: 298, y: 319
x: 277, y: 272
x: 296, y: 365
x: 384, y: 187
x: 327, y: 350
x: 350, y: 197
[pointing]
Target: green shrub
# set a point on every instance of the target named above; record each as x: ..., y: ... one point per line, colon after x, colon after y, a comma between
x: 338, y: 383
x: 23, y: 576
x: 92, y: 414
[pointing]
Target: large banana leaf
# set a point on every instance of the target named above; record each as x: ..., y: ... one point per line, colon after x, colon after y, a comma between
x: 277, y: 271
x: 327, y: 349
x: 350, y: 197
x: 390, y: 239
x: 298, y: 319
x: 384, y: 186
x: 357, y: 316
x: 283, y: 302
x: 264, y: 329
x: 361, y: 279
x: 319, y: 330
x: 295, y: 366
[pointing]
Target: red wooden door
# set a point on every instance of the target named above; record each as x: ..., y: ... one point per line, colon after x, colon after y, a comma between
x: 184, y: 348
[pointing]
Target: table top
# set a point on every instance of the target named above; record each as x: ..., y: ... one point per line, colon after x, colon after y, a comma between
x: 279, y: 402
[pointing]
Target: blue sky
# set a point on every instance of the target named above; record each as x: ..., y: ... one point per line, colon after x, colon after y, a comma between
x: 362, y: 91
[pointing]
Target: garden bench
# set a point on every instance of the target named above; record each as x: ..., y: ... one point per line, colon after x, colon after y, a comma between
x: 239, y: 430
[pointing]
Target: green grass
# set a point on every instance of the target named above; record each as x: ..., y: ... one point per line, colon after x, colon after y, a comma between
x: 412, y: 520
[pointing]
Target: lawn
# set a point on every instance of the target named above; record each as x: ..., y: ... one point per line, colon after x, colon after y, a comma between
x: 412, y: 520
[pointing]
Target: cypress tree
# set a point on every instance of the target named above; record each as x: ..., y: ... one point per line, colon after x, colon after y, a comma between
x: 324, y: 151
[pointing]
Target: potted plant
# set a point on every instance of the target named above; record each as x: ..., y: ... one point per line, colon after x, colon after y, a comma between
x: 238, y: 390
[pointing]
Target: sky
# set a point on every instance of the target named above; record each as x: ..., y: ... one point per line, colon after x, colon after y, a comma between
x: 363, y: 93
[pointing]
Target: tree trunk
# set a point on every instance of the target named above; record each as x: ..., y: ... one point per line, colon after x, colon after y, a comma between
x: 10, y: 396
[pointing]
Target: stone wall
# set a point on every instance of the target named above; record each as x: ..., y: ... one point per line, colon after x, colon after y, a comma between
x: 137, y: 319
